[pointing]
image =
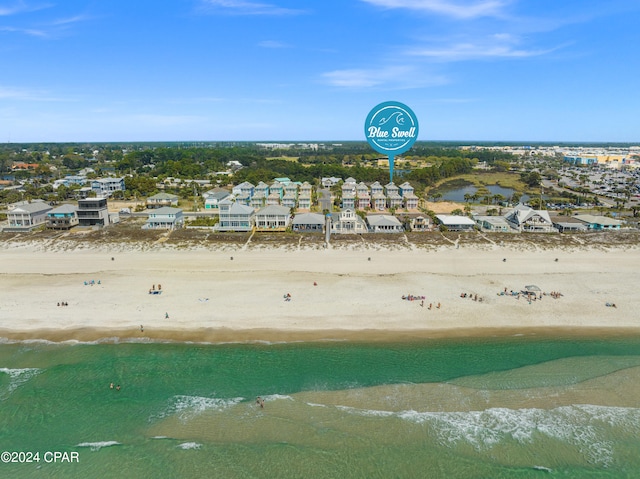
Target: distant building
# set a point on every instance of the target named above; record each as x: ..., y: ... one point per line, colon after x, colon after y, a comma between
x: 162, y: 199
x: 212, y: 198
x: 105, y: 187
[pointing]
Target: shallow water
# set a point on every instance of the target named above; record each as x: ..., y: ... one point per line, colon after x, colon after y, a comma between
x: 499, y: 408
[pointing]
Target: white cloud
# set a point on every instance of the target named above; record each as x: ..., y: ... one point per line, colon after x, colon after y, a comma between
x: 242, y: 7
x: 385, y: 78
x: 494, y: 46
x: 25, y: 31
x: 462, y: 9
x: 20, y: 7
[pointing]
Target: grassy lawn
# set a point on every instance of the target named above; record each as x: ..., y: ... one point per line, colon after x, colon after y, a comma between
x: 285, y: 158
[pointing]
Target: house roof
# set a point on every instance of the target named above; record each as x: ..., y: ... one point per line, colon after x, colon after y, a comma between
x: 64, y: 209
x: 240, y: 209
x: 166, y: 210
x: 598, y: 220
x: 308, y: 219
x: 163, y: 196
x: 383, y: 220
x: 455, y: 220
x: 274, y: 210
x: 33, y: 207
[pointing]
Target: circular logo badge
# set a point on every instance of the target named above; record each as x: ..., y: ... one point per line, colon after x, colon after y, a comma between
x: 391, y: 128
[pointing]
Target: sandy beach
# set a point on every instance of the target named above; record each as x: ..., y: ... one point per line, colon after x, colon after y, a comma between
x: 239, y: 294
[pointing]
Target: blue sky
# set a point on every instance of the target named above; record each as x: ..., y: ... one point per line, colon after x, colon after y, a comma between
x: 275, y: 70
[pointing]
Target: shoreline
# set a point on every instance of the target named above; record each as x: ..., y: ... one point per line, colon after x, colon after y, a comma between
x: 272, y: 336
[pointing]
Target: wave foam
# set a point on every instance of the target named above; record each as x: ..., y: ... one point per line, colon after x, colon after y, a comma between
x: 189, y: 445
x: 96, y: 446
x: 186, y: 406
x: 17, y: 378
x: 585, y: 427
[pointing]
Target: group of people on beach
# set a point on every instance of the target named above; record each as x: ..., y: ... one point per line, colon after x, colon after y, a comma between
x: 287, y: 297
x: 63, y: 303
x: 471, y: 296
x: 91, y: 282
x: 413, y: 297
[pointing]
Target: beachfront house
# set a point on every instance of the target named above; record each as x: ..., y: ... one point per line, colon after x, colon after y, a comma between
x: 273, y: 218
x: 347, y: 222
x: 212, y: 198
x: 568, y: 224
x: 599, y: 223
x: 93, y: 212
x: 162, y: 199
x: 525, y: 218
x: 27, y: 216
x: 493, y: 223
x: 234, y: 216
x: 105, y: 187
x: 308, y: 223
x: 63, y: 217
x: 420, y: 223
x: 165, y: 218
x: 384, y: 224
x: 456, y: 223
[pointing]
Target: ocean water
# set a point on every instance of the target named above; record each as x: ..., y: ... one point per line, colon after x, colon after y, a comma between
x: 517, y: 407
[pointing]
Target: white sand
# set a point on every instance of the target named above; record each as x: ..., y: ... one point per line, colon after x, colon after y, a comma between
x: 208, y: 296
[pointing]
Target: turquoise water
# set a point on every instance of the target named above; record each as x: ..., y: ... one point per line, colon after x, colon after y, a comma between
x: 518, y: 407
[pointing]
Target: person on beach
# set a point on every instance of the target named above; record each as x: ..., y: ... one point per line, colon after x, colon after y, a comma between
x: 260, y: 402
x: 141, y: 328
x: 166, y: 315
